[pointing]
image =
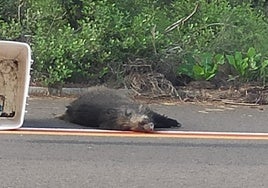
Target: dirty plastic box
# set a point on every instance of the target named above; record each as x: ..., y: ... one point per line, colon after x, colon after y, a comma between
x: 15, y: 63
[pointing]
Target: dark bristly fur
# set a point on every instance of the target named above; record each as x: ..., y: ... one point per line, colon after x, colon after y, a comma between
x: 161, y: 121
x: 108, y: 109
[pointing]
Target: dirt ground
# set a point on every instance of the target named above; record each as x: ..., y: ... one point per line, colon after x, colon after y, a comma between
x: 196, y: 91
x: 247, y: 95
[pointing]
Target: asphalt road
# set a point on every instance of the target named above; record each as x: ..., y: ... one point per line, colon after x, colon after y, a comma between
x: 115, y: 162
x: 193, y: 117
x: 59, y: 161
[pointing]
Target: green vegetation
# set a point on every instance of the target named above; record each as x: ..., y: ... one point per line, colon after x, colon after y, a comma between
x: 245, y: 66
x: 250, y: 66
x: 82, y: 40
x: 203, y: 67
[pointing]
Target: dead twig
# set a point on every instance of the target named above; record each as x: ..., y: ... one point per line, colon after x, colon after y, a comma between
x: 182, y: 20
x: 239, y: 103
x: 145, y: 82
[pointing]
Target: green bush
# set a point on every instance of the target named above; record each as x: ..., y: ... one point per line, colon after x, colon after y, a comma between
x: 251, y: 66
x: 81, y: 40
x: 9, y: 9
x: 217, y: 27
x: 245, y: 65
x: 58, y: 55
x: 10, y: 30
x: 202, y: 66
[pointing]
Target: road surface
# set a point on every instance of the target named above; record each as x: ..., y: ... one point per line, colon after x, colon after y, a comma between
x: 37, y: 160
x: 105, y: 162
x: 193, y: 117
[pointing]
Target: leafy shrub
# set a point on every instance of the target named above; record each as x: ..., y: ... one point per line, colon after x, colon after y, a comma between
x: 263, y: 72
x: 245, y: 65
x: 202, y: 66
x: 9, y: 9
x: 10, y: 30
x: 58, y: 55
x: 218, y: 27
x: 78, y: 40
x: 251, y: 66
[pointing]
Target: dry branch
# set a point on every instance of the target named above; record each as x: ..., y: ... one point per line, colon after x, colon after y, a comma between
x: 181, y: 21
x: 144, y: 82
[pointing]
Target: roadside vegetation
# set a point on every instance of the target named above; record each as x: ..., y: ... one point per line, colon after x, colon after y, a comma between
x: 89, y: 42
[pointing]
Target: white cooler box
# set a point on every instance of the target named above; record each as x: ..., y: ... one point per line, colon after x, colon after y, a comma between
x: 15, y: 63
